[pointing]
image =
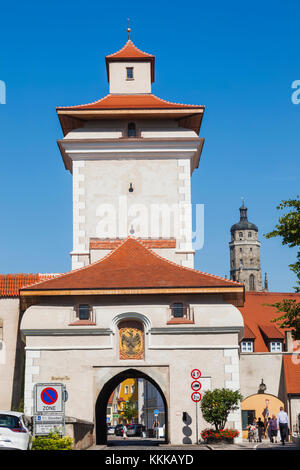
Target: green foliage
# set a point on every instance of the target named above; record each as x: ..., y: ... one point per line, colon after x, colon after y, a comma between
x: 130, y: 410
x: 288, y: 228
x: 291, y: 317
x: 52, y: 442
x: 217, y: 404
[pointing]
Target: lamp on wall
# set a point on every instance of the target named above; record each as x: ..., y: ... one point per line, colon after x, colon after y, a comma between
x: 262, y: 387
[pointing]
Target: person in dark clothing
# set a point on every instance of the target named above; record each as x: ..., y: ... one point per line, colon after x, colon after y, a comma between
x: 260, y: 428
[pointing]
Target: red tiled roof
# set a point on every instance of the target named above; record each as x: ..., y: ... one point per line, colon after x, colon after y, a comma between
x: 112, y: 244
x: 271, y: 332
x: 257, y: 315
x: 130, y: 51
x: 11, y: 283
x: 134, y: 101
x: 292, y: 373
x: 248, y: 333
x: 132, y: 265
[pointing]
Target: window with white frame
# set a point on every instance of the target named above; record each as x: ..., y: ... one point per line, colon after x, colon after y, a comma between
x: 247, y: 346
x: 132, y: 388
x: 126, y: 389
x: 275, y: 346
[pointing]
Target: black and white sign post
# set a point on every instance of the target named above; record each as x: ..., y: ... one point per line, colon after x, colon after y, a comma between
x: 196, y: 396
x: 49, y: 408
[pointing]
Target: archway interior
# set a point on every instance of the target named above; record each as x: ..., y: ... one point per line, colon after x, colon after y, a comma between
x: 146, y: 416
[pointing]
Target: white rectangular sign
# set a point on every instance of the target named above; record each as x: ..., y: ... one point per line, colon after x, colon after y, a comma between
x: 59, y: 418
x: 47, y: 428
x: 49, y: 398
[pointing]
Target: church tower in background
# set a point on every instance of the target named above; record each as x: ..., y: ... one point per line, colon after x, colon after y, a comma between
x: 245, y: 254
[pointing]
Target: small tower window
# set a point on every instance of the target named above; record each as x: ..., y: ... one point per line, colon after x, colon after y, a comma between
x: 251, y: 282
x: 241, y: 234
x: 131, y: 130
x: 251, y: 261
x: 129, y: 73
x: 249, y: 234
x: 241, y: 250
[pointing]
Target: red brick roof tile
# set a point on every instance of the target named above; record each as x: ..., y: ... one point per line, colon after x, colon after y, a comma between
x: 127, y: 101
x: 11, y: 283
x: 257, y: 315
x: 133, y: 265
x: 292, y: 373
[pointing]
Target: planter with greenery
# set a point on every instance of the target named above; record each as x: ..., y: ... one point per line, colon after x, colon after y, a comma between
x: 53, y: 441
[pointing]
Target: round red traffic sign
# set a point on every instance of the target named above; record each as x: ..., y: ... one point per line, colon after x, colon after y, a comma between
x: 196, y: 396
x: 196, y: 374
x: 49, y: 396
x: 196, y: 386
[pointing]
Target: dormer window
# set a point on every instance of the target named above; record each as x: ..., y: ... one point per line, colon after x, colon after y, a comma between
x: 275, y: 346
x: 247, y: 346
x: 131, y: 130
x: 129, y: 73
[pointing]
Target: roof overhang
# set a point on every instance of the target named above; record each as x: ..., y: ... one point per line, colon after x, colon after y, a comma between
x: 189, y: 118
x: 233, y: 295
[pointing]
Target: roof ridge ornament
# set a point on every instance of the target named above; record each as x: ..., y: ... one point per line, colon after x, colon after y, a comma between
x: 128, y: 29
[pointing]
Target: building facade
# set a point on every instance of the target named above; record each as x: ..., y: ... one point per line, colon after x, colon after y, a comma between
x: 133, y: 307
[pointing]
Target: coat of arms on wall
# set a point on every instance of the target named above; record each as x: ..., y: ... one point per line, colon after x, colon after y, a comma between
x: 131, y: 343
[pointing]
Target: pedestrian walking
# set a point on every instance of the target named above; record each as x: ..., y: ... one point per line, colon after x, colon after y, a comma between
x: 283, y: 424
x: 273, y: 425
x: 124, y: 432
x: 260, y: 429
x: 156, y: 428
x: 269, y: 429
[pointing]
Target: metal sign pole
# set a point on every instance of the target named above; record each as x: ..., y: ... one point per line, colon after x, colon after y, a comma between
x: 196, y: 422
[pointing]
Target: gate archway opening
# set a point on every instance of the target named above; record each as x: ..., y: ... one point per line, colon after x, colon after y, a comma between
x: 105, y: 394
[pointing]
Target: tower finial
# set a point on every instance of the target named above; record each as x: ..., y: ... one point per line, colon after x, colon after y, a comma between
x: 128, y: 28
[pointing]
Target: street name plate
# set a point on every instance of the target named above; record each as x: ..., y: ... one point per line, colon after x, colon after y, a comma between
x: 59, y: 418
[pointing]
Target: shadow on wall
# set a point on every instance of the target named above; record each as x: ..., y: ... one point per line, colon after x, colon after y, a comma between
x: 186, y: 430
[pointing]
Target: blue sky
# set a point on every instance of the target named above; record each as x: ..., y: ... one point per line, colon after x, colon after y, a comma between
x: 239, y: 59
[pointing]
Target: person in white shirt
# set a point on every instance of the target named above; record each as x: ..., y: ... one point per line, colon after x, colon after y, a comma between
x: 283, y: 423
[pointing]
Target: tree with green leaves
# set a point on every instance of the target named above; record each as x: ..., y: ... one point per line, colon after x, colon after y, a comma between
x: 288, y: 228
x: 217, y: 404
x: 130, y: 410
x: 290, y: 318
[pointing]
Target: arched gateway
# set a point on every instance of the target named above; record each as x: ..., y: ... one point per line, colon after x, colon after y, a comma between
x: 105, y: 393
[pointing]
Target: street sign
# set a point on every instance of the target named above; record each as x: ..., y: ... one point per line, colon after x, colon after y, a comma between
x: 49, y: 397
x: 49, y: 408
x: 155, y: 412
x: 196, y: 385
x: 196, y: 396
x: 196, y: 374
x: 58, y: 418
x: 45, y: 429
